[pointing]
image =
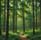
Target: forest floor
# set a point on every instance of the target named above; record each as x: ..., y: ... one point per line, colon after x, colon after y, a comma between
x: 15, y: 36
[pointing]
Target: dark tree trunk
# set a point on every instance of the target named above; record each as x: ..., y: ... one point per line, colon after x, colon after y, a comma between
x: 7, y: 24
x: 0, y: 17
x: 23, y: 17
x: 14, y: 16
x: 36, y: 14
x: 4, y: 13
x: 40, y: 15
x: 33, y: 18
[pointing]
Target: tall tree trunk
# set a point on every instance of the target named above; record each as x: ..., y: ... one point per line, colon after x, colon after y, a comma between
x: 7, y: 24
x: 33, y: 18
x: 40, y: 15
x: 36, y: 14
x: 0, y: 17
x: 4, y: 13
x: 14, y: 15
x: 23, y: 17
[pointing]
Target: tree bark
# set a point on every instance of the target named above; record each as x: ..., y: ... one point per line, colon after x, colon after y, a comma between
x: 14, y: 16
x: 33, y: 17
x: 0, y: 17
x: 36, y: 14
x: 40, y: 15
x: 4, y: 14
x: 23, y: 17
x: 7, y: 24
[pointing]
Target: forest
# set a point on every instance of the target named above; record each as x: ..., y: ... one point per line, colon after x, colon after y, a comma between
x: 20, y: 19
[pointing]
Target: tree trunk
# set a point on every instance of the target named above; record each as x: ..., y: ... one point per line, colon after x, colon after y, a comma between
x: 0, y: 17
x: 7, y: 24
x: 40, y: 15
x: 36, y: 14
x: 14, y: 16
x: 23, y: 17
x: 4, y: 14
x: 33, y: 18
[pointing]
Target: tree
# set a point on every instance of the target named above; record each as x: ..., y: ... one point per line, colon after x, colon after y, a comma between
x: 33, y: 17
x: 36, y: 14
x: 14, y: 15
x: 40, y: 15
x: 7, y: 24
x: 23, y: 17
x: 4, y: 14
x: 0, y: 17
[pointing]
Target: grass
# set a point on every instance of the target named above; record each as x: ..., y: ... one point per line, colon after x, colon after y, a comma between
x: 15, y: 36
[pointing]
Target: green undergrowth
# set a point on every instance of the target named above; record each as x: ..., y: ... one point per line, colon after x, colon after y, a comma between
x: 15, y: 36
